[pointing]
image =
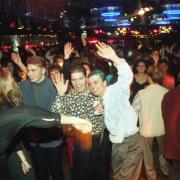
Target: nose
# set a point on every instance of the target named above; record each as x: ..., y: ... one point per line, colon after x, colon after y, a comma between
x: 77, y: 82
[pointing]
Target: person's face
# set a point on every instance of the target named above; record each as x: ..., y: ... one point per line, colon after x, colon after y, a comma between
x: 86, y: 67
x: 155, y: 56
x: 78, y: 81
x: 54, y: 73
x: 164, y: 67
x: 96, y: 85
x: 141, y: 67
x: 35, y: 73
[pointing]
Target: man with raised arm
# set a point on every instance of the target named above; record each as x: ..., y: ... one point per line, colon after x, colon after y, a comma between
x: 120, y: 118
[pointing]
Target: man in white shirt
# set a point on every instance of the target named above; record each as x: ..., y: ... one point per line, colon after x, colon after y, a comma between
x: 120, y: 118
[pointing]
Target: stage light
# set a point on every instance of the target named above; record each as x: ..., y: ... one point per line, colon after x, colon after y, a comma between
x: 172, y: 11
x: 173, y: 17
x: 147, y: 9
x: 110, y: 11
x: 163, y: 22
x: 110, y: 20
x: 141, y: 12
x: 110, y: 14
x: 124, y: 24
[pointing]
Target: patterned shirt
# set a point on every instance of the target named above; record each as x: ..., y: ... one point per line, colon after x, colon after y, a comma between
x: 79, y: 105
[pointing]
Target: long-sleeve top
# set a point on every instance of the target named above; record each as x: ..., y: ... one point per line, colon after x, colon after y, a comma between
x: 171, y: 116
x: 120, y: 118
x: 79, y: 105
x: 13, y: 120
x: 40, y: 95
x: 147, y: 105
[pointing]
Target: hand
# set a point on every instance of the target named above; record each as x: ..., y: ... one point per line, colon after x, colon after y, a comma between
x: 25, y: 167
x: 68, y: 49
x: 99, y: 109
x: 85, y: 126
x: 16, y: 58
x: 106, y: 51
x: 61, y: 86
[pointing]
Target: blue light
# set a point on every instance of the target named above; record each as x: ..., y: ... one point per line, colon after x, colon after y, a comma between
x: 110, y: 14
x: 162, y: 22
x: 173, y: 17
x: 110, y: 20
x: 174, y: 12
x: 124, y: 24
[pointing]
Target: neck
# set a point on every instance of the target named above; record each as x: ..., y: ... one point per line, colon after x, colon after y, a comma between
x: 42, y: 79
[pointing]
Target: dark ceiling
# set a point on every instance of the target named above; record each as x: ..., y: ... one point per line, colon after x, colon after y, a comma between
x: 73, y: 12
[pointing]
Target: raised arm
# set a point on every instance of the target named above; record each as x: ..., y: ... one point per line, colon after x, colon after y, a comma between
x: 125, y: 74
x: 17, y: 60
x: 108, y: 52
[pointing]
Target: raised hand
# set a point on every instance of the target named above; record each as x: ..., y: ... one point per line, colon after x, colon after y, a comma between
x: 107, y: 52
x: 68, y: 49
x: 61, y: 86
x: 16, y: 58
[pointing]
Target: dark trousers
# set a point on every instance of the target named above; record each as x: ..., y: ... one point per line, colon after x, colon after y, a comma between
x: 93, y: 165
x: 175, y: 170
x: 46, y: 162
x: 4, y: 169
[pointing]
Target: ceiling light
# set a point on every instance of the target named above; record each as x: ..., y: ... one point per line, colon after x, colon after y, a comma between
x: 141, y: 12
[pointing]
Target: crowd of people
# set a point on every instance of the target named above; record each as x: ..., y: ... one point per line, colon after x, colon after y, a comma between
x: 114, y: 106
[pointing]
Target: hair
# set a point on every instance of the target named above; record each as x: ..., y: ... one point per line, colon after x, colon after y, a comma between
x: 153, y: 50
x: 77, y: 68
x: 53, y: 67
x: 14, y: 96
x: 37, y: 60
x: 155, y: 73
x: 98, y: 73
x: 56, y: 57
x: 136, y: 64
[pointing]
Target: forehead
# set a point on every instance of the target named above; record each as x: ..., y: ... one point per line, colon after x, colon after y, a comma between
x: 33, y: 66
x: 76, y: 75
x: 155, y: 52
x: 141, y: 63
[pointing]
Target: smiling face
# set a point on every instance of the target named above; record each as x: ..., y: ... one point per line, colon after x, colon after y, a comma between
x: 96, y: 85
x: 78, y: 81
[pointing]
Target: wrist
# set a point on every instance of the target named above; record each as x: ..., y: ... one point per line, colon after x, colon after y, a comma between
x: 66, y: 56
x: 23, y: 160
x: 116, y: 60
x: 60, y: 93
